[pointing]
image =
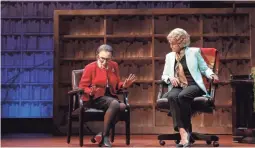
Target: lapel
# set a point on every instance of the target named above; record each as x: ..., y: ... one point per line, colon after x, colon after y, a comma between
x: 172, y: 62
x: 190, y: 61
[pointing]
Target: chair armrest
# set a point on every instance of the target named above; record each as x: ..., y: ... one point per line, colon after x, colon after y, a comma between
x: 213, y: 87
x: 124, y: 92
x: 76, y: 91
x: 160, y: 82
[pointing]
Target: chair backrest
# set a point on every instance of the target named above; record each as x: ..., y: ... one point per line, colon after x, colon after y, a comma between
x: 211, y: 57
x: 76, y: 77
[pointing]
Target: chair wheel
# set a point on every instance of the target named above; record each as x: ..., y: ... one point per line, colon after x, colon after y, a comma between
x: 162, y: 143
x: 177, y: 141
x: 208, y: 142
x: 93, y: 140
x: 216, y: 144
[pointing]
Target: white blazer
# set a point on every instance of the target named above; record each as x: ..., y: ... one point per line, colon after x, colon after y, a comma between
x: 195, y: 64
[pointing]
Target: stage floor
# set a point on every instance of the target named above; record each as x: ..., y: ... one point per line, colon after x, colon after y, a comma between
x: 45, y: 140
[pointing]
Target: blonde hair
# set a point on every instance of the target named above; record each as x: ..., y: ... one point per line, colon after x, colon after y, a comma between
x: 180, y: 35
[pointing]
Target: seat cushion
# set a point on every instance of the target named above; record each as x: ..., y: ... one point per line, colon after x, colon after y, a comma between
x: 202, y: 104
x: 199, y: 104
x: 162, y: 103
x: 88, y: 110
x: 92, y: 114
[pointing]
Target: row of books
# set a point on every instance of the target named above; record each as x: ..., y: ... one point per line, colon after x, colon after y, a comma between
x: 11, y: 9
x: 26, y: 76
x: 37, y: 76
x: 164, y: 24
x: 40, y: 43
x: 10, y: 93
x: 7, y: 75
x: 123, y: 49
x: 29, y: 26
x: 27, y: 92
x: 12, y: 26
x: 39, y: 9
x: 142, y: 72
x: 133, y: 49
x: 140, y: 94
x: 11, y: 43
x: 159, y: 67
x: 11, y: 59
x: 38, y: 26
x: 29, y: 9
x: 38, y: 58
x: 138, y: 26
x: 27, y: 59
x: 84, y: 47
x: 29, y: 109
x: 37, y: 92
x: 227, y: 24
x: 26, y: 43
x: 85, y: 25
x: 161, y: 47
x: 229, y: 47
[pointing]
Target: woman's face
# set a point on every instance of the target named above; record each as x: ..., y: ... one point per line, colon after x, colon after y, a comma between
x: 175, y: 45
x: 104, y: 57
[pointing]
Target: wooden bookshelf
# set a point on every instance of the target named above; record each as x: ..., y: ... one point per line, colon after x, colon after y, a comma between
x: 141, y: 47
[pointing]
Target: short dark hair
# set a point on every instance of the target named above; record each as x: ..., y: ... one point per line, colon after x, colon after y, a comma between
x: 104, y: 47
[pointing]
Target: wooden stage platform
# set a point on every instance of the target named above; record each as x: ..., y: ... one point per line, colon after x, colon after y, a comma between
x: 46, y: 140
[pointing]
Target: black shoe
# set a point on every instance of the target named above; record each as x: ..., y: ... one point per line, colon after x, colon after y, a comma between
x: 105, y: 142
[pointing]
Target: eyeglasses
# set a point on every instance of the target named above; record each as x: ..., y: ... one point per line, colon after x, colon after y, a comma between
x: 102, y: 59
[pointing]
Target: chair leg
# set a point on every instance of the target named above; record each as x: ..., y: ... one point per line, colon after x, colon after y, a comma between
x: 69, y: 132
x: 113, y: 133
x: 81, y: 126
x: 128, y: 132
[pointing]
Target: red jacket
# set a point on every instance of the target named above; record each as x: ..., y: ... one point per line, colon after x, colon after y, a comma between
x: 93, y: 75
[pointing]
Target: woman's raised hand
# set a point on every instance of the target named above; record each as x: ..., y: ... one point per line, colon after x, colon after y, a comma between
x: 129, y: 81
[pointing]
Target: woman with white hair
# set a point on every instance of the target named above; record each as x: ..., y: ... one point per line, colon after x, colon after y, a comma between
x: 182, y: 72
x: 100, y: 81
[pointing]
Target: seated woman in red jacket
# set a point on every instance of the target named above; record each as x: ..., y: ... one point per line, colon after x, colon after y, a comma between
x: 101, y: 80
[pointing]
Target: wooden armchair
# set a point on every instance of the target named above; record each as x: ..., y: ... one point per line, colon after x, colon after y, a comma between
x: 82, y: 112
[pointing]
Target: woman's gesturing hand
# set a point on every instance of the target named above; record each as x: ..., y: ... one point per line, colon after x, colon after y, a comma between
x: 129, y: 81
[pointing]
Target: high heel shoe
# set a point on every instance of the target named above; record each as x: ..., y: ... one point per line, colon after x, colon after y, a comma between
x: 187, y: 144
x: 105, y: 142
x: 98, y: 137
